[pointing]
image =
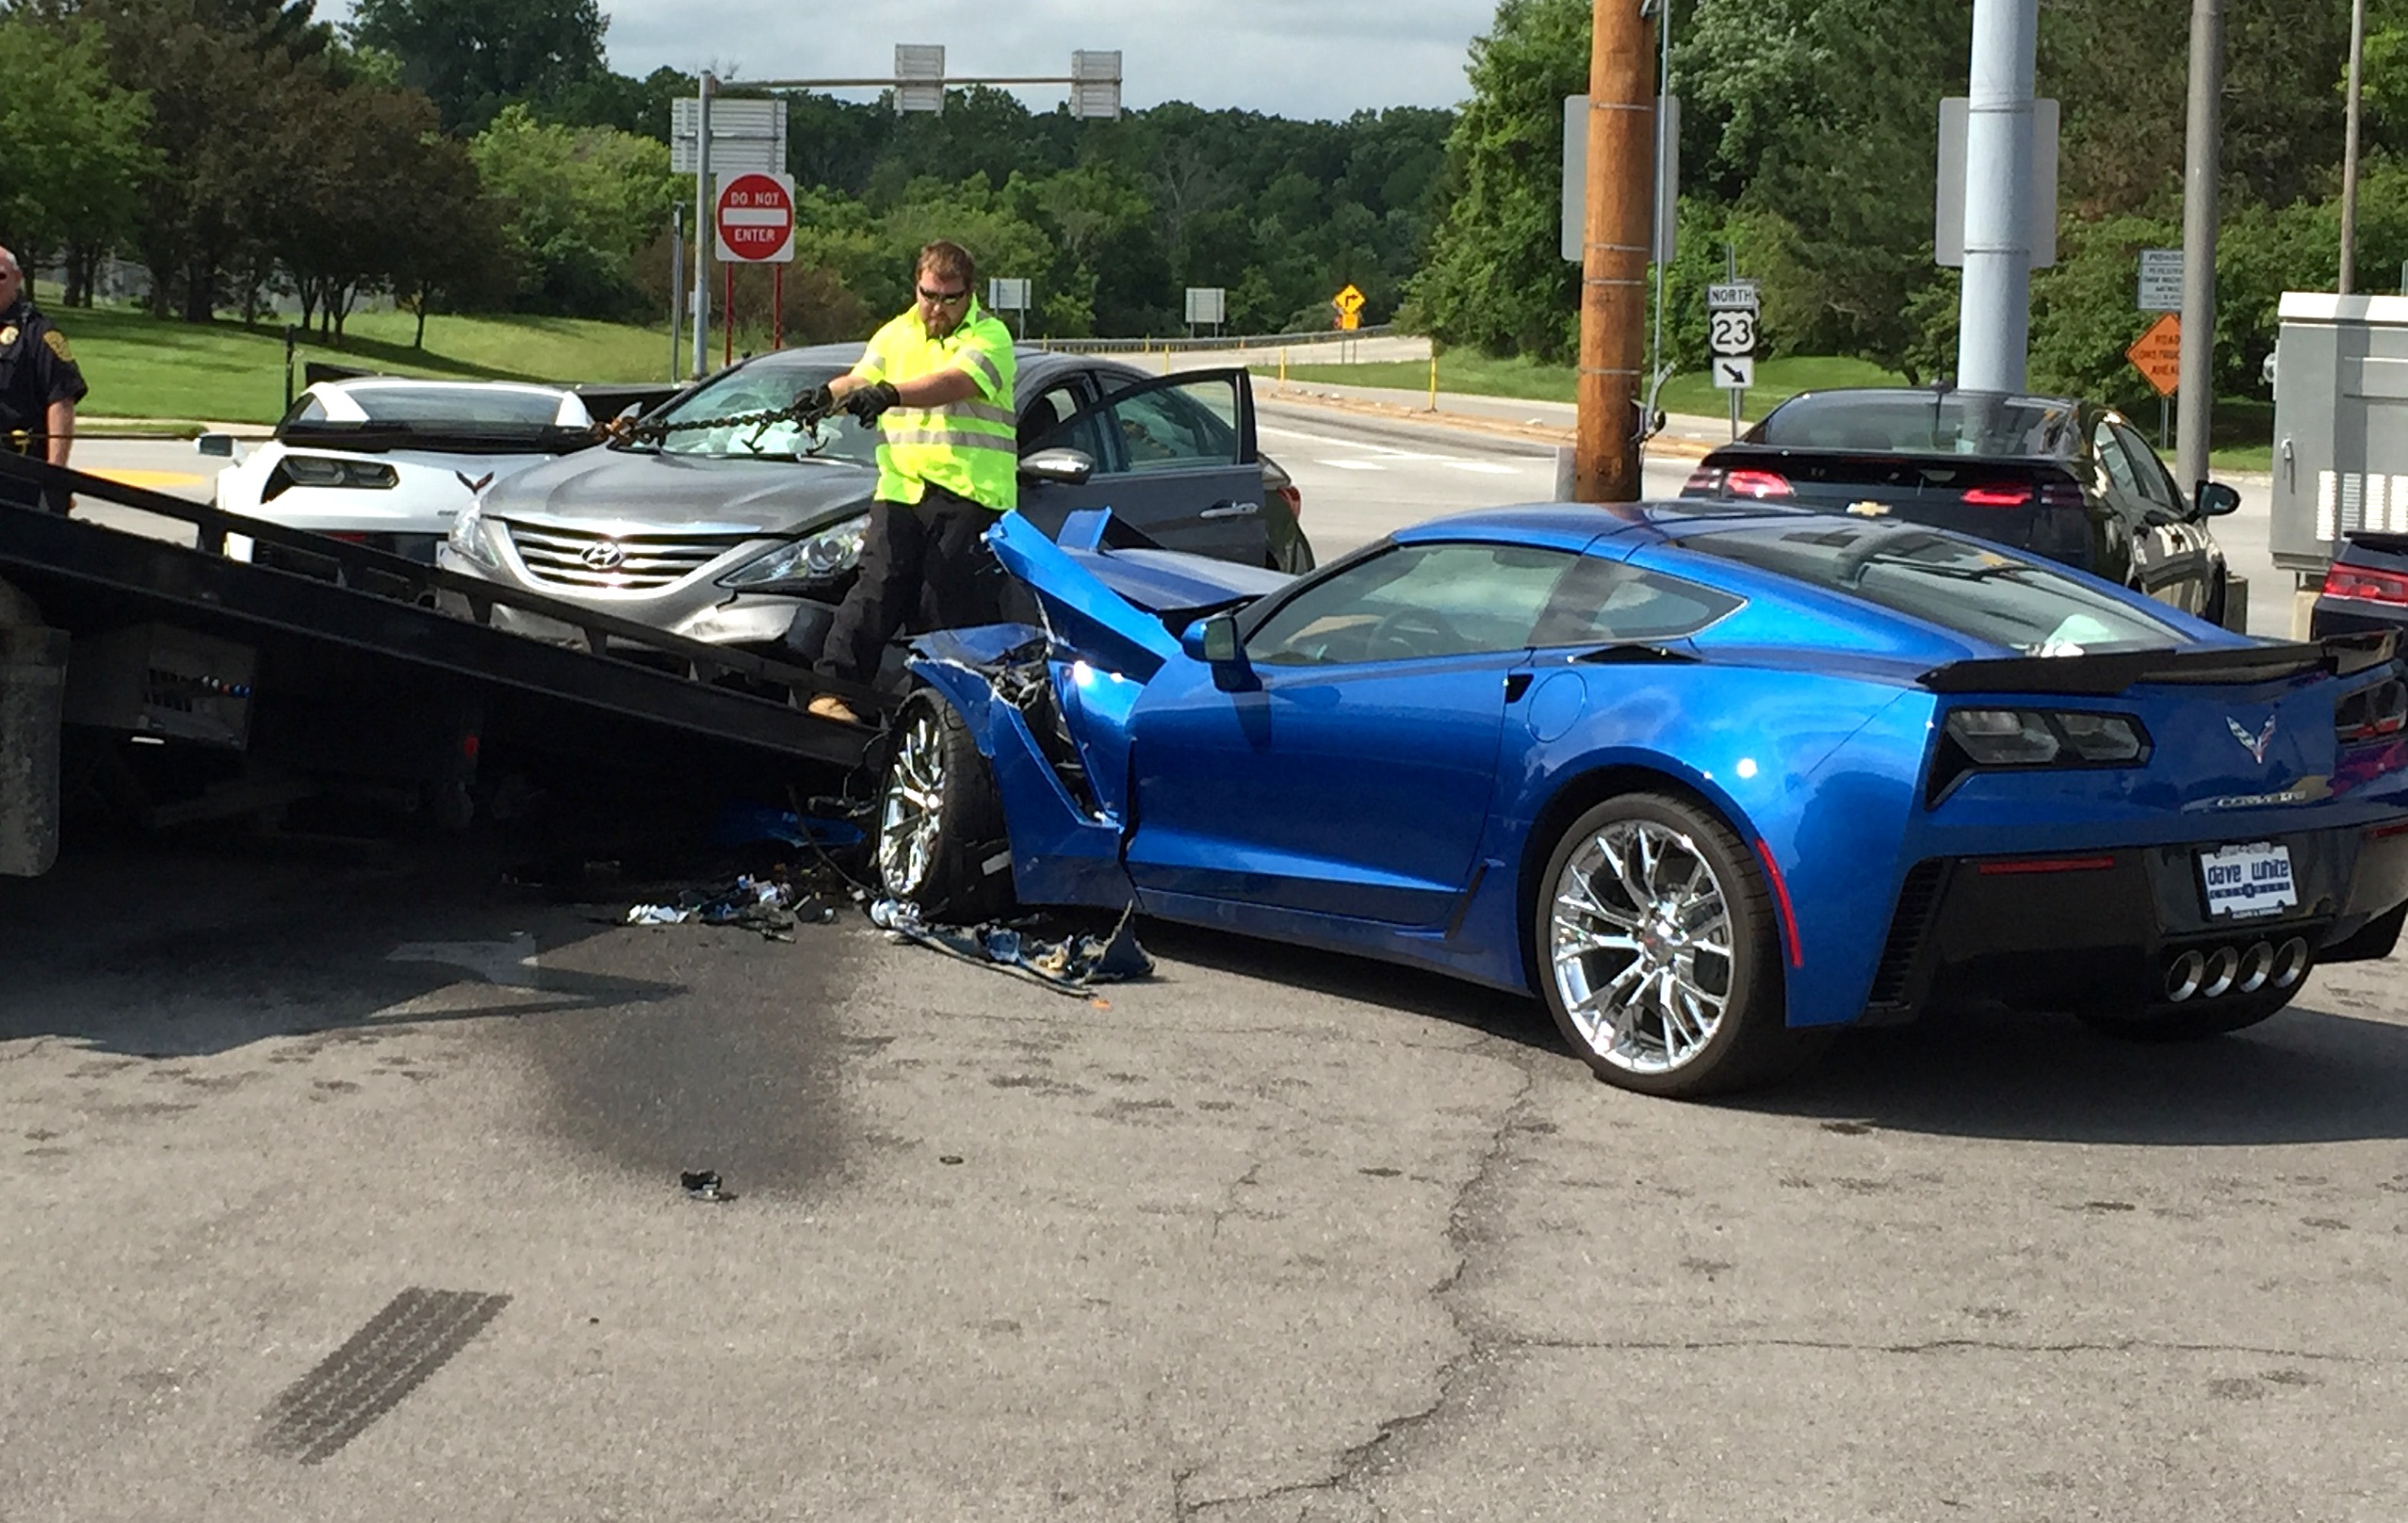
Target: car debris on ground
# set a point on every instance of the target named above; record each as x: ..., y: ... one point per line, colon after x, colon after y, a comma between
x: 1069, y: 963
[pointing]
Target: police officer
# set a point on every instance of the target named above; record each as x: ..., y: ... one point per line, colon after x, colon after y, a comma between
x: 938, y: 381
x: 39, y: 386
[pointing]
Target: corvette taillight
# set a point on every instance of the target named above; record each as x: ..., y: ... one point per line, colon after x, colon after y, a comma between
x: 2371, y: 713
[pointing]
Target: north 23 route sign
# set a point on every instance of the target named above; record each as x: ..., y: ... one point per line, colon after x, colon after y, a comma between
x: 1730, y: 334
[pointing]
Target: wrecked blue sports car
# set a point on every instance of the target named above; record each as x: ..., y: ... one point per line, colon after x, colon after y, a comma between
x: 1710, y: 779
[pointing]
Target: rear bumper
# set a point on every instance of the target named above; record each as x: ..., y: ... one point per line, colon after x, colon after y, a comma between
x: 2103, y: 931
x: 2352, y: 616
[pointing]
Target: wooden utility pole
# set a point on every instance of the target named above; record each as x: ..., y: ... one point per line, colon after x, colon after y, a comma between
x: 1613, y: 291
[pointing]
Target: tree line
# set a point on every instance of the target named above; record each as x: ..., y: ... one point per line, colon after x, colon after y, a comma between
x: 1808, y: 146
x: 480, y: 154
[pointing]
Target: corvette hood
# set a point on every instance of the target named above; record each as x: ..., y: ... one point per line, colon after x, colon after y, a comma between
x: 624, y: 490
x: 1110, y: 594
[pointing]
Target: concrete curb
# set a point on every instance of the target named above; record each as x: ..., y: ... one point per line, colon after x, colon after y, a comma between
x: 1665, y: 444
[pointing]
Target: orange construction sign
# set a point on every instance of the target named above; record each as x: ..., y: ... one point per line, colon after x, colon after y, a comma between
x: 2158, y: 353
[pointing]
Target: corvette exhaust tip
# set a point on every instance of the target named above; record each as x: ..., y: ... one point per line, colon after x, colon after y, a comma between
x: 2292, y: 963
x: 2224, y: 969
x: 2183, y: 978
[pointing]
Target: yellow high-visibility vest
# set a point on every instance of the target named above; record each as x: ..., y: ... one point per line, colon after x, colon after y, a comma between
x: 969, y: 448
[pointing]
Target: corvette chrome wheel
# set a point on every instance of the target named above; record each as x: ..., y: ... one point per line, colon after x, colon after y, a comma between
x: 911, y: 817
x: 1641, y: 943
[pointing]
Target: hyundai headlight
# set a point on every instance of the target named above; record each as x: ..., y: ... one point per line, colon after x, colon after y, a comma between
x: 831, y: 552
x: 467, y: 538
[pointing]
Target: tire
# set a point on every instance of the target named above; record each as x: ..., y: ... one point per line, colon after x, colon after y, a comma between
x: 2222, y: 1018
x: 939, y: 840
x: 1677, y: 866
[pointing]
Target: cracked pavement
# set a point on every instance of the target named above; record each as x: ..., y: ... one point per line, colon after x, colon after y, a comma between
x: 1274, y: 1237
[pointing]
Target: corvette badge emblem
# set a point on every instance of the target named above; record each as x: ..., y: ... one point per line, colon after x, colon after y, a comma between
x: 474, y: 484
x: 2254, y: 744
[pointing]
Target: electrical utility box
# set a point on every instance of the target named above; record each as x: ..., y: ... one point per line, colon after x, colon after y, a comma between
x: 2340, y: 423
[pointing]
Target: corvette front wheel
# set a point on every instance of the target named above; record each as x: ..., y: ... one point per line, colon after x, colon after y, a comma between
x: 1659, y: 953
x: 941, y: 842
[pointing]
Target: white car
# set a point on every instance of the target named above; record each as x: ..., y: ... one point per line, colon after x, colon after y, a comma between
x: 392, y: 461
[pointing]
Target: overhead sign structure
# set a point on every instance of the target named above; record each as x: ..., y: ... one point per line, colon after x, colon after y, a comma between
x: 2161, y: 280
x: 1668, y: 195
x: 1948, y: 216
x: 756, y: 218
x: 1349, y: 303
x: 919, y: 78
x: 2158, y: 353
x: 744, y: 134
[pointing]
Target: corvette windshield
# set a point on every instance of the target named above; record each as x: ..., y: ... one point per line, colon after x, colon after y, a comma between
x: 758, y: 389
x: 2027, y: 605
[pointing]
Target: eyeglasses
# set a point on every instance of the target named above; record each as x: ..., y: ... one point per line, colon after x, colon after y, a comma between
x: 942, y: 299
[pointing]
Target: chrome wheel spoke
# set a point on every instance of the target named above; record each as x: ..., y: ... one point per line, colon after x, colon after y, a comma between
x: 1647, y: 986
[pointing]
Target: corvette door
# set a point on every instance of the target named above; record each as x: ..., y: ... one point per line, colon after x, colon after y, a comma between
x: 1354, y: 777
x: 1176, y: 457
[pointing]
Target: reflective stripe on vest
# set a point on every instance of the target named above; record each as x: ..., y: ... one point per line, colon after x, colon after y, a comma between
x: 969, y: 448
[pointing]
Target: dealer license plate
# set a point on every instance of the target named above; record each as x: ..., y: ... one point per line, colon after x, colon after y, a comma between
x: 2246, y: 881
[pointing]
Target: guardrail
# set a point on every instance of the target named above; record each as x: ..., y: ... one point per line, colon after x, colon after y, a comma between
x: 1226, y: 341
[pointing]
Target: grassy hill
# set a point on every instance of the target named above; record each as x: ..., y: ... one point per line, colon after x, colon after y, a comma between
x: 140, y: 367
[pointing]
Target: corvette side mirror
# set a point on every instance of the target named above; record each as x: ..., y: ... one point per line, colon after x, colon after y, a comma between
x: 1215, y: 641
x: 2214, y: 499
x: 220, y: 444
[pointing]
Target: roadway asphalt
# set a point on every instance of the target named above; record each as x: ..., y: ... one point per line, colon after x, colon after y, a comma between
x: 1272, y: 1238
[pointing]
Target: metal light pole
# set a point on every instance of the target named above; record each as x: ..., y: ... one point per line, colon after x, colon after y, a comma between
x: 2195, y: 399
x: 702, y: 227
x: 1995, y: 320
x: 1622, y: 213
x: 2350, y: 149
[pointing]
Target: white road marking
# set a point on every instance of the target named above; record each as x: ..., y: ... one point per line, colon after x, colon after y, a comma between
x: 511, y: 963
x: 1482, y: 467
x: 1352, y: 464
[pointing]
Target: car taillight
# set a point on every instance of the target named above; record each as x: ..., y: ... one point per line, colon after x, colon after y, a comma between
x: 1703, y: 481
x: 2371, y: 713
x: 1758, y: 484
x: 1999, y: 494
x: 2060, y: 494
x: 2365, y: 585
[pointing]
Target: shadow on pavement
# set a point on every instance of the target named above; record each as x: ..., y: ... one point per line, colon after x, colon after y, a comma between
x: 2306, y: 1075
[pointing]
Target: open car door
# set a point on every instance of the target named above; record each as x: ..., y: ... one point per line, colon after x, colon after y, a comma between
x: 1173, y: 456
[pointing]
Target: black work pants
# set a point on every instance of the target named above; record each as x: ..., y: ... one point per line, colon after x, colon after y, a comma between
x: 924, y: 565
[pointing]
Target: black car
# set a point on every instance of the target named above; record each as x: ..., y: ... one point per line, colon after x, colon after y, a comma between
x: 2055, y: 476
x: 749, y: 535
x: 2365, y: 589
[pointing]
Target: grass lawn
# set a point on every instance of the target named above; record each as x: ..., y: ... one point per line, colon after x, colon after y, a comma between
x: 2245, y: 426
x: 142, y: 367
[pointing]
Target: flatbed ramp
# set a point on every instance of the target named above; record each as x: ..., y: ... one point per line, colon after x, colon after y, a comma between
x: 336, y: 661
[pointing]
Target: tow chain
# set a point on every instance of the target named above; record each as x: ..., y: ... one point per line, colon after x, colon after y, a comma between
x: 798, y: 411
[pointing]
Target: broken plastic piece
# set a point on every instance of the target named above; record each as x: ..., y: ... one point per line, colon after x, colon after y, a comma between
x: 704, y: 1185
x: 658, y: 915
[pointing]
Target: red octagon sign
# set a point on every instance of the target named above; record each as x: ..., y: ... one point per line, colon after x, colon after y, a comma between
x: 756, y: 218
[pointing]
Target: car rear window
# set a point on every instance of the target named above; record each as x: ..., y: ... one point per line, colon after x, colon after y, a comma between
x: 1943, y: 423
x: 2027, y: 605
x: 456, y: 405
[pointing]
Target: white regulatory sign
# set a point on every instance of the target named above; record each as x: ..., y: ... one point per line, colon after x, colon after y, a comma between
x: 1735, y: 372
x: 2161, y: 280
x: 2245, y: 880
x: 1731, y: 331
x: 1732, y: 296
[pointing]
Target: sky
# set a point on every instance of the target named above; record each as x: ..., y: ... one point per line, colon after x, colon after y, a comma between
x: 1306, y: 58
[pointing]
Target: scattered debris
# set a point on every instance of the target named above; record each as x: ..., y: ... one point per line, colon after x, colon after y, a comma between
x: 1069, y: 965
x: 949, y: 1158
x: 704, y: 1185
x: 773, y: 906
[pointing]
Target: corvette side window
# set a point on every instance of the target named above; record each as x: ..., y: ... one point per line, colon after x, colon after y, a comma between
x: 1605, y: 603
x: 1414, y: 602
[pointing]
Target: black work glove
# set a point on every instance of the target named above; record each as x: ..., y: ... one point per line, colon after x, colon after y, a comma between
x: 866, y: 402
x: 815, y: 404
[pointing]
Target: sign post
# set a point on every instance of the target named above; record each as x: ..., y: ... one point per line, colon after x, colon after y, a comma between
x: 1004, y: 294
x: 2158, y: 355
x: 755, y: 217
x: 1731, y: 309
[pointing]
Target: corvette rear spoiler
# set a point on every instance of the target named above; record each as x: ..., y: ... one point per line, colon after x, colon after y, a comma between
x: 2105, y: 674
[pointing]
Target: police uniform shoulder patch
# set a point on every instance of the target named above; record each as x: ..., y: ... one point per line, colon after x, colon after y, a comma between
x: 58, y: 342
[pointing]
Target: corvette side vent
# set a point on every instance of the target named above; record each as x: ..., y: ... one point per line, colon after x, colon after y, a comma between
x: 1918, y: 898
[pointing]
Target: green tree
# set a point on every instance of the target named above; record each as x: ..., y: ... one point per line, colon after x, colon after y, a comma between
x: 473, y: 57
x: 583, y: 202
x: 76, y: 153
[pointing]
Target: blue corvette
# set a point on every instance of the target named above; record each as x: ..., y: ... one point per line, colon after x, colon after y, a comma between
x: 1712, y: 780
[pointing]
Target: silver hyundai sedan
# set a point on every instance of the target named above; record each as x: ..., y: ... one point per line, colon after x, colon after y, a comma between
x: 749, y: 536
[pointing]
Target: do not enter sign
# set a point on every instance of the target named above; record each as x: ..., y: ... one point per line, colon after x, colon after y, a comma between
x: 756, y: 218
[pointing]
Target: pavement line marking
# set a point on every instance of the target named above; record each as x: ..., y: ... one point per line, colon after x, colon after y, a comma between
x: 1481, y: 468
x: 155, y: 480
x: 511, y: 963
x: 1352, y: 464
